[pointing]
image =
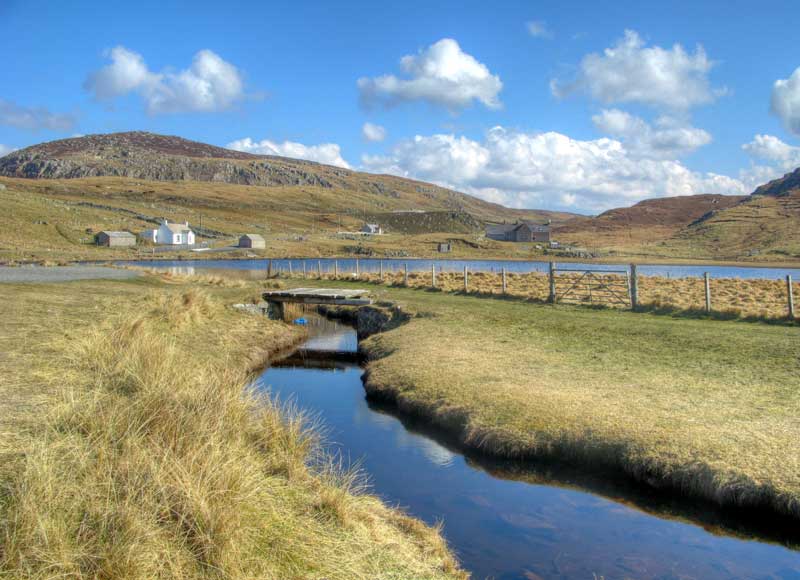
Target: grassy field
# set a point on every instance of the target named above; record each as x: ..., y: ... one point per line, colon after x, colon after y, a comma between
x: 707, y: 408
x: 731, y: 297
x: 132, y: 448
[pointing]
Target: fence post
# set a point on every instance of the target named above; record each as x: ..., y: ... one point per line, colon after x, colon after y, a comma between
x: 466, y: 280
x: 336, y: 269
x: 552, y: 298
x: 433, y: 275
x: 505, y: 284
x: 291, y: 274
x: 269, y: 269
x: 380, y: 270
x: 319, y: 269
x: 634, y: 282
x: 707, y: 283
x: 790, y: 295
x: 405, y: 274
x: 358, y: 269
x: 304, y: 269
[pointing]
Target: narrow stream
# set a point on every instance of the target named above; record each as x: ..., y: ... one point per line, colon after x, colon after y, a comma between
x: 507, y: 523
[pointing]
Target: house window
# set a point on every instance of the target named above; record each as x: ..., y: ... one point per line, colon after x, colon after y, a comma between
x: 177, y: 238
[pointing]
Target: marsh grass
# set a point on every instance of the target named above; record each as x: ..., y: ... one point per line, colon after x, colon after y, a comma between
x: 701, y: 408
x: 155, y: 459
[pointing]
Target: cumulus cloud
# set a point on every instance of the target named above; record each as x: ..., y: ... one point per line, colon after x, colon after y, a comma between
x: 372, y: 132
x: 327, y: 153
x: 786, y: 101
x: 545, y: 170
x: 538, y: 29
x: 33, y: 118
x: 630, y: 72
x: 209, y: 84
x: 668, y: 139
x: 773, y: 150
x: 441, y: 74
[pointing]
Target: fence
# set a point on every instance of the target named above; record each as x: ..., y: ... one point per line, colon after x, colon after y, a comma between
x: 760, y: 298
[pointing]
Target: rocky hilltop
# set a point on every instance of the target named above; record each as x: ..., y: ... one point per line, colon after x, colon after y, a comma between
x: 785, y: 185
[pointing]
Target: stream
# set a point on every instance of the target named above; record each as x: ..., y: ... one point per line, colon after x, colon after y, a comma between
x: 508, y: 521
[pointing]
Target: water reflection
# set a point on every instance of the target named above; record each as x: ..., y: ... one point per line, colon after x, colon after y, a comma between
x: 520, y: 521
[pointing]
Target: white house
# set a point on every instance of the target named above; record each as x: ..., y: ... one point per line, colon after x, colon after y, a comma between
x: 374, y: 229
x: 174, y: 234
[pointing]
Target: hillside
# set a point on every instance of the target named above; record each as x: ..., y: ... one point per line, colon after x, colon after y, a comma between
x: 147, y: 156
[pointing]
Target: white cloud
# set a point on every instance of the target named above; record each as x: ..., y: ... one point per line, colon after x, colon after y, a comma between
x: 33, y: 118
x: 538, y: 29
x: 209, y: 84
x: 327, y: 153
x: 668, y: 139
x: 545, y: 170
x: 372, y: 132
x: 772, y: 149
x: 5, y: 150
x: 786, y: 101
x: 442, y: 74
x: 631, y: 72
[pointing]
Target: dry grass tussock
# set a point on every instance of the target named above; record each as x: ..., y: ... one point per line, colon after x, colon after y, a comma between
x: 157, y: 462
x: 733, y: 297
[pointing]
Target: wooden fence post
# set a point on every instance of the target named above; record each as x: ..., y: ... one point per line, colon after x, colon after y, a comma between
x: 505, y: 282
x: 380, y: 270
x: 790, y: 296
x: 707, y: 283
x: 336, y: 269
x: 290, y: 269
x: 433, y: 275
x: 405, y: 274
x: 304, y: 269
x: 552, y: 298
x: 319, y: 269
x: 634, y: 282
x: 269, y: 269
x: 466, y: 280
x: 358, y: 269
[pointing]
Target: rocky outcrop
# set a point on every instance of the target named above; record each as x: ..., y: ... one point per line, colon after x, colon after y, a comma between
x: 782, y: 186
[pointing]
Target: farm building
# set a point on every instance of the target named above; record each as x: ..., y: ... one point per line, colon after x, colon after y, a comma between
x: 254, y: 241
x: 149, y: 236
x: 519, y: 232
x: 443, y: 247
x: 115, y: 239
x: 171, y: 234
x: 374, y: 229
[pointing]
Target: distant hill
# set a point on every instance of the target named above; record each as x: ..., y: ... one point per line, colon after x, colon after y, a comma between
x: 646, y: 223
x: 782, y: 186
x: 147, y: 156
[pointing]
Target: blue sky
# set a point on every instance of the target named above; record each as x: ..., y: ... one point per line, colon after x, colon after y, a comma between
x: 562, y: 105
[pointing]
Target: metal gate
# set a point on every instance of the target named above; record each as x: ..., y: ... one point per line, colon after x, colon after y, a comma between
x: 602, y: 287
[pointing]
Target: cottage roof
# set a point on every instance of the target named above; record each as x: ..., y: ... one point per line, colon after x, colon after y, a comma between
x: 254, y: 237
x: 505, y: 228
x: 111, y: 234
x: 178, y: 228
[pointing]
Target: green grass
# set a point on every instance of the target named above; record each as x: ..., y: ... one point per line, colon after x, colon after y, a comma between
x: 707, y: 408
x: 135, y: 449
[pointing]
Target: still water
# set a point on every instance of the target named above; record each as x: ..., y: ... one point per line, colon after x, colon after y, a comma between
x: 505, y: 522
x: 397, y: 265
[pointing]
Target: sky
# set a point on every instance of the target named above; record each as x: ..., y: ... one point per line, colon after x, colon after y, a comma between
x: 576, y: 106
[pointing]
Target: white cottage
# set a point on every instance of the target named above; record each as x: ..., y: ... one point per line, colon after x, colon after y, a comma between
x: 170, y: 234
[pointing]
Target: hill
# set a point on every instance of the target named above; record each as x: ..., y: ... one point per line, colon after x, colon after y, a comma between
x: 147, y: 156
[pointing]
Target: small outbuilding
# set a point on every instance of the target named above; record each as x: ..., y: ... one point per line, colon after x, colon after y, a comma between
x: 373, y: 229
x: 254, y: 241
x: 114, y: 239
x: 444, y: 247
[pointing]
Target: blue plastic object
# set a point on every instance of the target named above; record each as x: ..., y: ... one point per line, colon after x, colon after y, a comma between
x: 301, y: 321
